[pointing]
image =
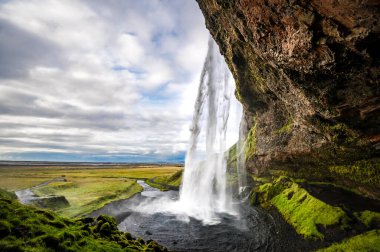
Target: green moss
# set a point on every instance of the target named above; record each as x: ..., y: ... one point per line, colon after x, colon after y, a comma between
x: 369, y: 241
x: 267, y: 191
x: 305, y: 212
x: 30, y: 229
x: 250, y: 143
x: 286, y: 127
x: 232, y: 158
x: 260, y: 180
x: 7, y: 195
x: 360, y: 176
x: 368, y: 218
x: 341, y: 133
x: 5, y: 228
x: 300, y: 209
x: 365, y: 172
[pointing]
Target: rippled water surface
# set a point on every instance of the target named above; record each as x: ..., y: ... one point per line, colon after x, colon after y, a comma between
x: 254, y: 230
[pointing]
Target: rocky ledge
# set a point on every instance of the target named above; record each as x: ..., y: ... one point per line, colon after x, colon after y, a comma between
x: 307, y: 74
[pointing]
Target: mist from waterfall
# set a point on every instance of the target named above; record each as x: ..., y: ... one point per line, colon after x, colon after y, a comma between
x: 204, y: 193
x: 204, y: 187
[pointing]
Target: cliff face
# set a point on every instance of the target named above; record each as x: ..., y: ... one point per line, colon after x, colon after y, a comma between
x: 307, y: 74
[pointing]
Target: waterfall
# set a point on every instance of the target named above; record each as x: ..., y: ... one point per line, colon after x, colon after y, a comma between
x: 203, y: 188
x: 204, y: 194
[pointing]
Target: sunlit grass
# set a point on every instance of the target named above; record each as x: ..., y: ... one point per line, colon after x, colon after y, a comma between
x: 17, y: 178
x: 86, y: 188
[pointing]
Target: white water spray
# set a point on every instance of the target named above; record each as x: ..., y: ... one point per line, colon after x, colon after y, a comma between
x: 204, y: 194
x: 204, y: 181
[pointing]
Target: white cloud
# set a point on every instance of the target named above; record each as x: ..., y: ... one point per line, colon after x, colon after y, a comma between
x: 98, y: 77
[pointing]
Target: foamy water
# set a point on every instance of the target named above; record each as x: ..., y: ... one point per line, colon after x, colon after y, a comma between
x: 204, y: 194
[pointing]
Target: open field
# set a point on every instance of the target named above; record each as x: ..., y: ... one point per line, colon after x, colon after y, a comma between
x: 87, y: 188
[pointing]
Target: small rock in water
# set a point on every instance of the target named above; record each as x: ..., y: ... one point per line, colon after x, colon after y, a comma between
x: 148, y: 233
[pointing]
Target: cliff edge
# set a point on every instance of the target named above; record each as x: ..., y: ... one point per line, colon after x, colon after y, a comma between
x: 307, y: 74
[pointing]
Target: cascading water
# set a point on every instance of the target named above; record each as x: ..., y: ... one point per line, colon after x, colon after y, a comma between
x: 202, y: 217
x: 204, y: 181
x: 204, y: 194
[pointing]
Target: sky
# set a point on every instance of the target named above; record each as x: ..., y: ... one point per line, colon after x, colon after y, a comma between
x: 98, y: 80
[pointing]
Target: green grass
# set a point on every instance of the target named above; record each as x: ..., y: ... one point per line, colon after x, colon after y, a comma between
x: 21, y: 177
x: 367, y: 242
x: 86, y: 188
x: 173, y: 180
x: 85, y: 195
x: 25, y: 228
x: 167, y: 182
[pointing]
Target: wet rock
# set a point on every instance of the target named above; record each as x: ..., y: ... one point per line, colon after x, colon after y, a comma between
x: 307, y: 74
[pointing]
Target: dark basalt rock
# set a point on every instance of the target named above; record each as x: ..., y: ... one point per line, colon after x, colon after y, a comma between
x: 307, y: 74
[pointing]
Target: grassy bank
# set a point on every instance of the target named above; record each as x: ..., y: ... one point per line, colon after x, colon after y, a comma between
x: 85, y: 188
x: 167, y: 182
x: 25, y: 228
x: 88, y: 194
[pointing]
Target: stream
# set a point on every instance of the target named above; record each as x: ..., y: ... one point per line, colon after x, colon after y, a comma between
x: 27, y: 196
x: 253, y: 230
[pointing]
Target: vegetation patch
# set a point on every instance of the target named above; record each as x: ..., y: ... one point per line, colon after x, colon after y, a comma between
x: 287, y: 127
x: 85, y: 188
x: 250, y: 143
x: 25, y: 228
x: 15, y: 178
x: 368, y: 218
x: 365, y: 172
x: 369, y: 241
x: 232, y: 158
x: 305, y: 212
x: 54, y: 187
x: 168, y: 182
x: 300, y: 209
x: 52, y: 202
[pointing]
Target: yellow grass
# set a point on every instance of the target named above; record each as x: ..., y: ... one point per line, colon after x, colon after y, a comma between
x: 86, y: 188
x: 15, y: 178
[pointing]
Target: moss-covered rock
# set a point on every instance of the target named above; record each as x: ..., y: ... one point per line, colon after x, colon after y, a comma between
x: 299, y: 208
x: 369, y: 218
x: 26, y: 228
x: 369, y: 241
x: 306, y: 213
x: 307, y: 76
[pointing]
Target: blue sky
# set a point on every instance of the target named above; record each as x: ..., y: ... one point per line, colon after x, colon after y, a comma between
x: 94, y: 80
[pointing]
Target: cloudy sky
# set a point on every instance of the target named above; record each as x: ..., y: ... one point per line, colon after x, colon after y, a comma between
x: 98, y: 80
